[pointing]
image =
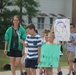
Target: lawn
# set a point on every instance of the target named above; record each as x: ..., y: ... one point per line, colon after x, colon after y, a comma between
x: 4, y: 59
x: 64, y: 59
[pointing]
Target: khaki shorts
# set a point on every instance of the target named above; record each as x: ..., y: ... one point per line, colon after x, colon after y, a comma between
x: 70, y: 55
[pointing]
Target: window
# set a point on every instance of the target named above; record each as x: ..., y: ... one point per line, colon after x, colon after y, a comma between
x: 40, y: 23
x: 51, y: 22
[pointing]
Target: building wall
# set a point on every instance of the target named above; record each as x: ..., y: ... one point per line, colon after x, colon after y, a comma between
x: 56, y: 7
x: 74, y: 11
x: 53, y: 7
x: 68, y: 9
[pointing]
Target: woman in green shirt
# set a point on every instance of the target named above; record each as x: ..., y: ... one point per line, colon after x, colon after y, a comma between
x: 13, y: 47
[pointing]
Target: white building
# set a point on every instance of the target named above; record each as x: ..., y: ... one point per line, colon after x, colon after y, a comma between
x: 51, y: 10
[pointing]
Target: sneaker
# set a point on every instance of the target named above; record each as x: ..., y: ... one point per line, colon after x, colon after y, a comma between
x: 22, y: 73
x: 60, y: 73
x: 73, y: 73
x: 42, y: 73
x: 25, y: 73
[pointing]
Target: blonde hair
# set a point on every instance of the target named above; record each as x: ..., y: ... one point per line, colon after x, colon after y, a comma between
x: 50, y: 34
x: 46, y: 31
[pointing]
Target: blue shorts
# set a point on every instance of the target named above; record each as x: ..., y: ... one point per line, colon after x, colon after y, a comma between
x: 29, y: 63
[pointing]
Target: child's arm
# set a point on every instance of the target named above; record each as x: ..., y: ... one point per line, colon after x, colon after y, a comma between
x: 74, y: 42
x: 24, y: 45
x: 5, y: 48
x: 39, y: 53
x: 23, y: 42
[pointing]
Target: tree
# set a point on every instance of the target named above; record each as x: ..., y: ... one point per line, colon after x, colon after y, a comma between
x: 30, y: 6
x: 4, y: 3
x: 5, y: 22
x: 19, y: 4
x: 6, y: 14
x: 5, y: 19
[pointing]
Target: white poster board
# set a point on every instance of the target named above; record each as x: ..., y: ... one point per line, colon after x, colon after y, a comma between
x: 62, y: 29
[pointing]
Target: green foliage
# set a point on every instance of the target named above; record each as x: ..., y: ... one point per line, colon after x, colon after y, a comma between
x: 3, y: 59
x: 6, y: 15
x: 63, y: 58
x: 31, y: 7
x: 5, y: 22
x: 5, y: 3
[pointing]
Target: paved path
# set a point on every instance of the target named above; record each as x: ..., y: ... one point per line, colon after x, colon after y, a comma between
x: 64, y: 70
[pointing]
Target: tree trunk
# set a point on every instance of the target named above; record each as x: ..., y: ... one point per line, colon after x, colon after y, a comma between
x: 21, y: 11
x: 29, y: 20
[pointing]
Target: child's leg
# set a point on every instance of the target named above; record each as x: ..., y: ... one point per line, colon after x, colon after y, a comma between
x: 74, y: 66
x: 70, y: 56
x: 33, y: 71
x: 27, y: 70
x: 41, y: 71
x: 12, y: 60
x: 59, y: 69
x: 27, y: 66
x: 70, y: 66
x: 48, y: 71
x: 33, y: 66
x: 59, y: 66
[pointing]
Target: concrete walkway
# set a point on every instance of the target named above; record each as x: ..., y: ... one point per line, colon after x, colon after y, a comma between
x: 64, y: 70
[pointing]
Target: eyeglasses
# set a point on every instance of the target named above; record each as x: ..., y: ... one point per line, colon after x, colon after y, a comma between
x: 15, y: 20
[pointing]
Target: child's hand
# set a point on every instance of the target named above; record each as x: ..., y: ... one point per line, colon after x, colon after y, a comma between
x: 73, y: 42
x: 5, y: 52
x: 70, y: 39
x: 21, y: 41
x: 23, y: 52
x: 38, y: 60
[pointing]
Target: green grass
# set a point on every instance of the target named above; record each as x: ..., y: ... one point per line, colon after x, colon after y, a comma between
x: 3, y: 59
x: 63, y: 59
